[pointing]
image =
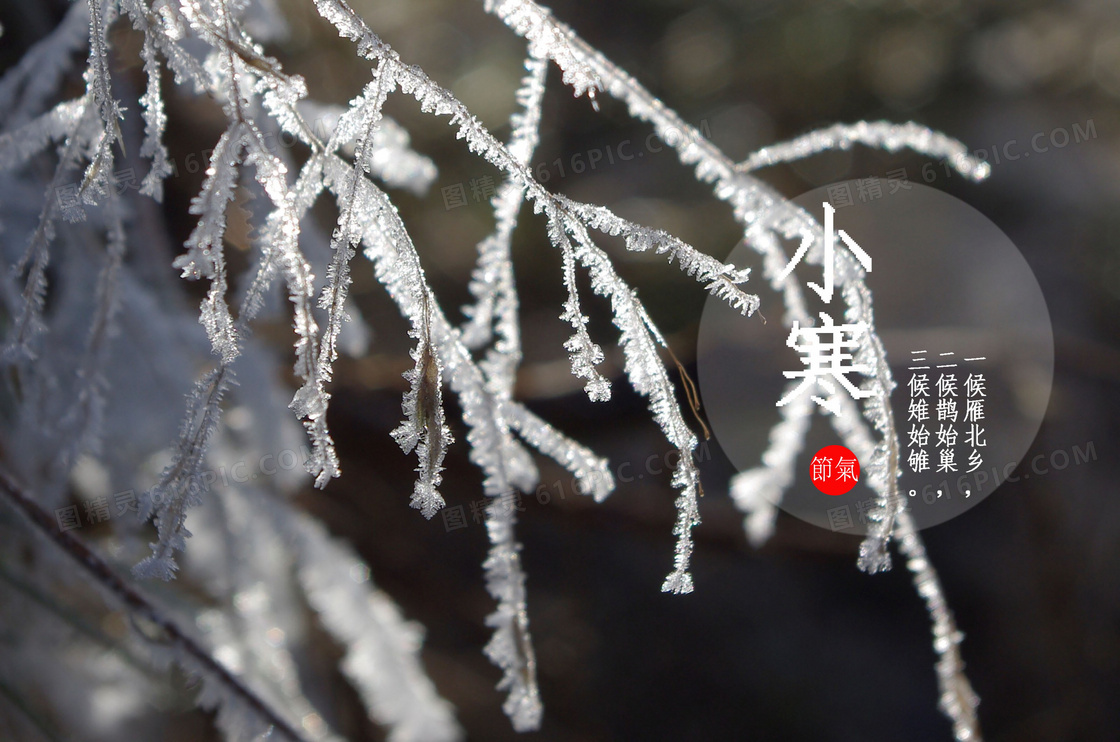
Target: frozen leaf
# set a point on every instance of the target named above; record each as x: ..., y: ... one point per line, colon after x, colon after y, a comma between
x: 424, y: 427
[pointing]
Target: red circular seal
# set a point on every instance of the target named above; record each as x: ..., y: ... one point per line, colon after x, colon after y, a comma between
x: 834, y: 470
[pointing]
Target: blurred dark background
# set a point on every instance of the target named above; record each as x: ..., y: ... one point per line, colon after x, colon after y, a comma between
x: 790, y: 642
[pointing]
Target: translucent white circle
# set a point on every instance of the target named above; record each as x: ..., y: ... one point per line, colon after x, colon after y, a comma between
x: 956, y: 307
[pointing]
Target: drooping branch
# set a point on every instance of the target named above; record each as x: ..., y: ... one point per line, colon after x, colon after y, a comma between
x: 159, y: 630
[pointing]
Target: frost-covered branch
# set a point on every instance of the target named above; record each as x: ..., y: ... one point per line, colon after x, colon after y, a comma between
x: 40, y: 70
x: 958, y: 700
x: 758, y: 492
x: 881, y: 134
x: 242, y: 714
x: 639, y: 341
x: 396, y: 265
x: 382, y: 649
x: 435, y: 99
